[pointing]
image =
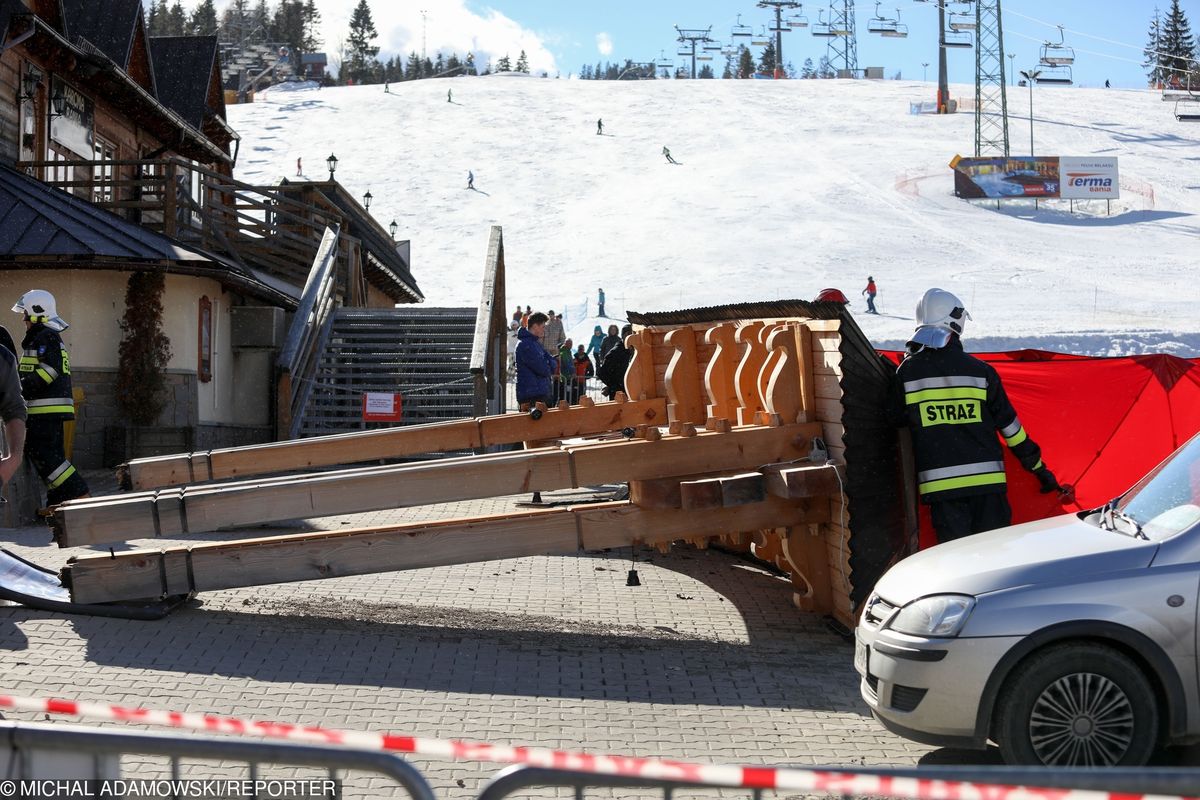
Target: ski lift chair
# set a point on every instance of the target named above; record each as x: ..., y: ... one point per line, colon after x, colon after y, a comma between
x: 1057, y: 54
x: 763, y: 39
x: 713, y: 47
x: 879, y: 23
x: 664, y: 62
x: 962, y: 23
x: 703, y: 58
x: 1055, y: 75
x: 1187, y: 110
x: 899, y: 31
x: 797, y: 20
x: 740, y: 30
x: 959, y: 39
x: 822, y: 28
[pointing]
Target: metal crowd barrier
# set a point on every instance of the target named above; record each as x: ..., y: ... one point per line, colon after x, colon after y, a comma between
x: 1134, y: 783
x: 22, y: 739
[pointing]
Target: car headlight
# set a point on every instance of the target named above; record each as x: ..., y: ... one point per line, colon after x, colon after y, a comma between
x: 939, y: 615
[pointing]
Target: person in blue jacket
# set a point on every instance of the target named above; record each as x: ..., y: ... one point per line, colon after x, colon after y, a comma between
x: 534, y: 365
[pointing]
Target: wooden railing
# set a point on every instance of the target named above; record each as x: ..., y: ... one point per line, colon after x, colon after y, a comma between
x: 250, y: 225
x: 297, y: 363
x: 489, y: 352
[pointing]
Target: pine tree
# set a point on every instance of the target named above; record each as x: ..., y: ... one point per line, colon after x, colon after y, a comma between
x: 453, y: 65
x: 1153, y: 51
x: 362, y: 33
x: 522, y: 63
x: 311, y: 19
x: 1177, y: 45
x: 504, y: 65
x: 439, y: 66
x: 153, y: 19
x: 705, y: 72
x: 745, y: 62
x: 427, y: 67
x: 728, y: 72
x: 204, y: 19
x: 825, y: 68
x: 766, y: 63
x: 175, y: 22
x: 260, y: 22
x: 413, y: 71
x: 289, y: 25
x: 808, y: 71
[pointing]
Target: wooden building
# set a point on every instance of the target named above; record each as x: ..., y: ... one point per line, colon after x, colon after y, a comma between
x: 115, y: 156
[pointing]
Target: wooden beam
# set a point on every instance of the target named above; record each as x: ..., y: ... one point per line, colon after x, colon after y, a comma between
x: 683, y: 378
x: 806, y: 552
x: 792, y: 481
x: 312, y: 556
x: 348, y: 448
x: 180, y: 512
x: 183, y: 511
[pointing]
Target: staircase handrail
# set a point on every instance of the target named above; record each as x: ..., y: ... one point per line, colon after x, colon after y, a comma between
x: 297, y: 359
x: 488, y: 348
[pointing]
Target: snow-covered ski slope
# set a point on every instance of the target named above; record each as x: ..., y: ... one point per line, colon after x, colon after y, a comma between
x: 783, y: 188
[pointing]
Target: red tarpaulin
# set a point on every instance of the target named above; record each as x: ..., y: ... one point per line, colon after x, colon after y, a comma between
x: 1102, y: 423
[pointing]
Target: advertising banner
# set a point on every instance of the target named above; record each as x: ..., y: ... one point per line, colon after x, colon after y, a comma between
x: 1090, y: 178
x: 1000, y: 177
x: 1047, y: 177
x: 73, y: 129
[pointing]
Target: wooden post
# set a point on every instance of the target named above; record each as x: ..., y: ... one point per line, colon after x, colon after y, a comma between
x: 639, y: 375
x: 768, y: 366
x: 718, y: 376
x: 804, y: 365
x: 783, y: 383
x: 683, y: 378
x: 745, y: 379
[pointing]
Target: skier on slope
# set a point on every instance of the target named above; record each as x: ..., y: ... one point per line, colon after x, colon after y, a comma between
x: 599, y: 127
x: 870, y: 292
x: 470, y: 179
x: 667, y: 153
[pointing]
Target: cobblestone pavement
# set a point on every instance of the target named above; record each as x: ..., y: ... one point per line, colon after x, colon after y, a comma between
x: 705, y: 660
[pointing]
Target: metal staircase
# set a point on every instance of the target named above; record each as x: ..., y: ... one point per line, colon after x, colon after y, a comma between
x: 422, y: 353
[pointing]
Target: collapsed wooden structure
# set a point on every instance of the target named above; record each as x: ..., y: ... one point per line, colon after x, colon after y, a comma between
x: 761, y: 425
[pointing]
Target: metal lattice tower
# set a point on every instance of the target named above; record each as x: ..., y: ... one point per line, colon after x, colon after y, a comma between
x: 844, y: 45
x: 690, y: 37
x: 991, y: 96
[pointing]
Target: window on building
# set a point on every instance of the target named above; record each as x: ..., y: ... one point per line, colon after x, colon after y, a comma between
x: 205, y: 359
x: 104, y: 154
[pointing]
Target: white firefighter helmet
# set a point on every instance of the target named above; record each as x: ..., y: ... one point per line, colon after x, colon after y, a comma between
x: 39, y: 305
x: 939, y: 314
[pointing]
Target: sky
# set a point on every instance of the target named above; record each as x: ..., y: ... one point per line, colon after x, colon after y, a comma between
x: 559, y: 37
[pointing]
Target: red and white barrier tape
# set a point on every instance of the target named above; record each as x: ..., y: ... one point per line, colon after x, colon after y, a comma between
x: 817, y: 781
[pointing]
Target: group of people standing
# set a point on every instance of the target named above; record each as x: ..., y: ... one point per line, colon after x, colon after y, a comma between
x: 550, y: 367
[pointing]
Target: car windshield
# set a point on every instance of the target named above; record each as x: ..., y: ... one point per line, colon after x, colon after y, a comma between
x: 1165, y: 502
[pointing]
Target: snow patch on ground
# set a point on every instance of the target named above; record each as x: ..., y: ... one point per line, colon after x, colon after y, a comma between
x: 783, y: 188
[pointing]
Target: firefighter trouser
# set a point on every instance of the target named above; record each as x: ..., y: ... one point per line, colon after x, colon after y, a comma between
x: 963, y: 516
x: 44, y: 447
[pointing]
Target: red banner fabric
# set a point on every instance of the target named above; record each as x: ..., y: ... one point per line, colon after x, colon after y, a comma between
x: 1102, y: 423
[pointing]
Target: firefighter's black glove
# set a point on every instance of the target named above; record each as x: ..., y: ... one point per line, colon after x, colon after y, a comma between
x: 1047, y: 480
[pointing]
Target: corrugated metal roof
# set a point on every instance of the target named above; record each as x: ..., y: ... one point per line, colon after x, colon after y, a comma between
x: 183, y: 67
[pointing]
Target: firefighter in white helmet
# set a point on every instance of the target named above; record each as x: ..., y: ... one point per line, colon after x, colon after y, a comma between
x: 45, y: 372
x: 954, y: 405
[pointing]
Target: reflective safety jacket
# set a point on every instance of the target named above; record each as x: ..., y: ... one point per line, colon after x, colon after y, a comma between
x: 45, y: 370
x: 955, y: 404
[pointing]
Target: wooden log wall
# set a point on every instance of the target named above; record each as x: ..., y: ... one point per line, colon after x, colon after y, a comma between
x: 766, y: 372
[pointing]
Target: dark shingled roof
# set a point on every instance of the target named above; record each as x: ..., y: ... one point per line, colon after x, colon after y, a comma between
x: 110, y: 30
x: 46, y: 226
x: 182, y: 69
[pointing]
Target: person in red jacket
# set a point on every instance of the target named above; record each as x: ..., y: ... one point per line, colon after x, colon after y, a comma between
x: 583, y: 371
x: 870, y: 293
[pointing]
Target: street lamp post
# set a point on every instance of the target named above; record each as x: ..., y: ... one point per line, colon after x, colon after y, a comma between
x: 331, y: 162
x: 1030, y: 76
x: 367, y: 198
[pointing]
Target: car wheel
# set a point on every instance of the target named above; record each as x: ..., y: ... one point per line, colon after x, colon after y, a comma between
x: 1077, y: 705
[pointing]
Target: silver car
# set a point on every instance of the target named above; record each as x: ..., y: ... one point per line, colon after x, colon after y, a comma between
x: 1068, y: 641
